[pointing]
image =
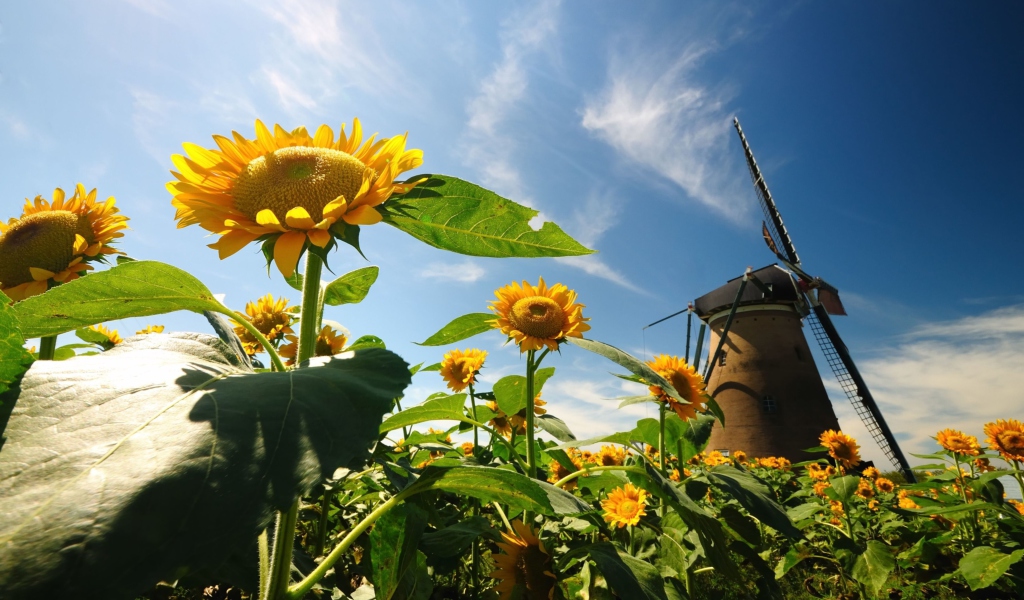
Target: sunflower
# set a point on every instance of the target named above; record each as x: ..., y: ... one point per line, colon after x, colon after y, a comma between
x: 739, y: 456
x: 467, y: 448
x: 886, y: 486
x: 820, y: 487
x: 558, y: 472
x: 459, y: 367
x: 816, y: 472
x: 53, y: 243
x: 1007, y: 437
x: 982, y: 465
x: 150, y: 329
x: 905, y: 501
x: 958, y: 442
x: 873, y: 505
x: 611, y: 456
x: 112, y: 336
x: 865, y: 489
x: 624, y: 505
x: 291, y: 190
x: 836, y: 508
x: 500, y: 420
x: 523, y: 566
x: 538, y: 316
x: 715, y: 458
x: 687, y: 382
x: 841, y: 447
x: 328, y: 343
x: 871, y: 473
x: 272, y: 318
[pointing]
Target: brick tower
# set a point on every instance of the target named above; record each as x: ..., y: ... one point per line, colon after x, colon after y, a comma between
x: 765, y: 379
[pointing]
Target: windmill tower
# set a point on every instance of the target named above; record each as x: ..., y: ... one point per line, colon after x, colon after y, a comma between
x: 761, y: 372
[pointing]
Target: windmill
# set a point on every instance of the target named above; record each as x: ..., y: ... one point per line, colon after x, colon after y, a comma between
x: 761, y: 372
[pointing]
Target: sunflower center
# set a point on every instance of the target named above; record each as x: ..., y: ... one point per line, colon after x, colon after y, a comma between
x: 44, y: 240
x: 627, y: 508
x: 269, y: 324
x: 1011, y: 440
x: 297, y: 176
x: 538, y: 316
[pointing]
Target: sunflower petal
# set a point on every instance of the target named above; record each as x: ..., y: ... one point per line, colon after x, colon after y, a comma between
x: 287, y: 250
x: 319, y: 237
x: 362, y: 215
x: 298, y: 218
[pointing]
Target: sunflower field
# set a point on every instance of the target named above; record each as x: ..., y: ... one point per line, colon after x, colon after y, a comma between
x: 276, y: 459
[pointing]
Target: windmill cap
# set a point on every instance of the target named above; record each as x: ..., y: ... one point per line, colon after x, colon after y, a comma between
x: 783, y: 291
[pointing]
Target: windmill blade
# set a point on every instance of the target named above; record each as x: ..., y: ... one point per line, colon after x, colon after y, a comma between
x: 856, y: 390
x: 774, y: 225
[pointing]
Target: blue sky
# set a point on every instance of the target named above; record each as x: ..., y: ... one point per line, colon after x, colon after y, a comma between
x: 888, y: 133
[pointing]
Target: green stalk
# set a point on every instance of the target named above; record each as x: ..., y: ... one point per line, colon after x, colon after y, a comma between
x: 284, y: 538
x: 263, y: 547
x: 299, y: 590
x: 531, y: 459
x: 476, y: 440
x: 47, y: 345
x: 661, y: 448
x: 321, y: 530
x: 587, y: 470
x: 1016, y: 475
x: 239, y: 318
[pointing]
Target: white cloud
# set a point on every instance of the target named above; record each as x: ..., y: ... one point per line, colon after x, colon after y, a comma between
x: 464, y: 272
x: 487, y: 147
x: 325, y: 50
x: 959, y: 374
x: 589, y: 407
x: 150, y: 114
x: 656, y: 115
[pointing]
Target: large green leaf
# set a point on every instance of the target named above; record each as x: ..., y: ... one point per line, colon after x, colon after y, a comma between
x: 696, y: 434
x: 555, y: 427
x: 984, y: 565
x: 456, y: 215
x: 350, y: 288
x: 393, y: 542
x: 510, y: 391
x: 134, y: 289
x: 627, y: 361
x: 461, y: 328
x: 159, y: 458
x: 14, y: 359
x: 454, y: 540
x: 446, y: 408
x: 627, y: 576
x: 873, y: 566
x: 843, y: 487
x: 755, y: 496
x: 500, y: 485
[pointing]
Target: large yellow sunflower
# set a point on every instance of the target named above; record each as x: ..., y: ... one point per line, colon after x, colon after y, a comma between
x: 459, y: 368
x: 1006, y: 437
x: 53, y: 243
x: 841, y: 447
x: 288, y: 189
x: 272, y: 318
x: 688, y: 383
x: 958, y: 442
x: 624, y: 505
x: 538, y: 316
x: 523, y: 566
x: 329, y: 342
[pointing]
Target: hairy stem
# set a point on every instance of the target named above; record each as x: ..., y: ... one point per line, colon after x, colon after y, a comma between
x: 47, y: 345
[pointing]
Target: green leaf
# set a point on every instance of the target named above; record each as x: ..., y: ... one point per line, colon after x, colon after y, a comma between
x: 696, y: 434
x: 622, y: 438
x: 446, y: 408
x: 631, y: 363
x: 133, y: 289
x: 625, y: 401
x: 393, y: 542
x: 843, y: 488
x: 874, y: 565
x: 454, y: 540
x: 755, y: 496
x: 510, y: 391
x: 14, y: 359
x: 416, y: 584
x: 92, y: 336
x: 627, y: 576
x: 795, y: 555
x: 555, y: 426
x: 804, y: 511
x: 170, y: 456
x: 984, y: 565
x: 500, y: 485
x: 451, y: 214
x: 367, y: 341
x: 741, y: 524
x: 460, y: 329
x: 350, y: 288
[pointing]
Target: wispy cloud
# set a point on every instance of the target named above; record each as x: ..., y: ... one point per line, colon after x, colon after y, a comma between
x: 657, y: 115
x: 324, y: 50
x: 487, y: 147
x: 157, y: 8
x: 16, y: 127
x: 150, y: 113
x: 464, y: 272
x: 959, y: 374
x: 598, y: 213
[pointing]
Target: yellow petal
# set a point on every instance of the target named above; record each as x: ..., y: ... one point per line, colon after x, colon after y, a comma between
x: 362, y: 215
x: 298, y: 218
x: 267, y: 218
x: 80, y: 244
x: 40, y: 274
x: 232, y: 242
x: 335, y: 208
x: 287, y: 250
x: 319, y: 237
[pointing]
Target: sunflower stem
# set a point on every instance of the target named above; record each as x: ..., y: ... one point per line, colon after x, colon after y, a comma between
x: 47, y: 346
x: 310, y: 308
x: 661, y: 447
x: 299, y: 590
x: 262, y: 339
x: 281, y: 562
x: 321, y: 530
x: 531, y: 459
x: 476, y: 440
